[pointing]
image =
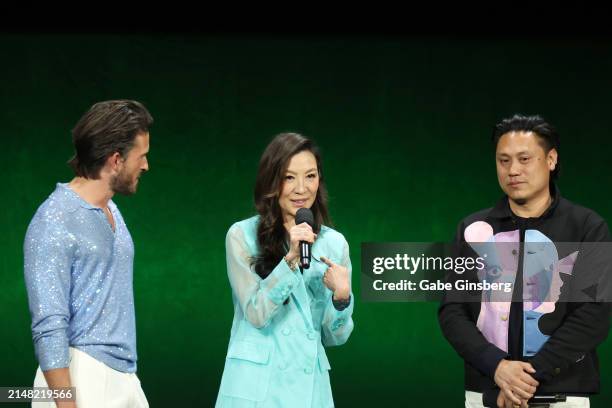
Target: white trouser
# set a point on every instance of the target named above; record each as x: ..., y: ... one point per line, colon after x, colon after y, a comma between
x: 97, y: 385
x: 474, y: 400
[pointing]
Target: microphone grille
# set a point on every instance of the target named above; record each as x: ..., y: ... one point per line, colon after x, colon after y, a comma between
x: 304, y: 215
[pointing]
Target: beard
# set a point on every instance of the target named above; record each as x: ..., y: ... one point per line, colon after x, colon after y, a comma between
x: 124, y: 184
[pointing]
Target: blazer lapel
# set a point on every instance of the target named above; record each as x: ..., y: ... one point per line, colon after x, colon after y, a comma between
x: 302, y: 301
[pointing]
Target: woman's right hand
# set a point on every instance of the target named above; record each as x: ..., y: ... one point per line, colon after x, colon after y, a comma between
x: 297, y: 233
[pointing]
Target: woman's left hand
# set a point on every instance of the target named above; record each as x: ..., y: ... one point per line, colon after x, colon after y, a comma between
x: 336, y: 278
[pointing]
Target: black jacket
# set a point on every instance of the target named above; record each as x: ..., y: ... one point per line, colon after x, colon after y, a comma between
x: 567, y: 362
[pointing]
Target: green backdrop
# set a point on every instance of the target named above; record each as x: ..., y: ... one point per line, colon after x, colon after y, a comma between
x: 403, y: 125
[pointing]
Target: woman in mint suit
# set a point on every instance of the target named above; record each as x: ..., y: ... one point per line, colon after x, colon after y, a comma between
x: 284, y: 316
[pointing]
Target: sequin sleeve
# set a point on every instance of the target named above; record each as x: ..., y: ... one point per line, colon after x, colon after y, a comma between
x: 48, y: 253
x: 258, y: 298
x: 337, y: 325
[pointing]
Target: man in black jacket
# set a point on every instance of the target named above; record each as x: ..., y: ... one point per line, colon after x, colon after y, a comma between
x: 509, y: 354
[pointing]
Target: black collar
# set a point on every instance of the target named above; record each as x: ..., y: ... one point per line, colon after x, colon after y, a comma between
x: 502, y: 208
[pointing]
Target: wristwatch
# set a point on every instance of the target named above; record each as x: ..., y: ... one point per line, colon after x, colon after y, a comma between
x: 341, y: 304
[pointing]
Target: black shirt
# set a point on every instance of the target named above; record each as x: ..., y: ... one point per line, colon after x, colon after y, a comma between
x: 567, y: 363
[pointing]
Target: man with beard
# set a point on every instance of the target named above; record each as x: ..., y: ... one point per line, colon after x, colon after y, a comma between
x: 78, y: 263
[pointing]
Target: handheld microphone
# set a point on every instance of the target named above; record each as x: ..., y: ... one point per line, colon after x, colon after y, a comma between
x: 304, y: 215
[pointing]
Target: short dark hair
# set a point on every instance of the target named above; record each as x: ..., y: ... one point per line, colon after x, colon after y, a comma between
x: 107, y: 127
x: 547, y: 134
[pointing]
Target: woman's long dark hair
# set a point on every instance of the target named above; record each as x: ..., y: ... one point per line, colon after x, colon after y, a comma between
x: 271, y: 233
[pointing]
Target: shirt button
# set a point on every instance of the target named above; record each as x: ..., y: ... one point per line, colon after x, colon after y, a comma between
x: 282, y: 366
x: 308, y: 371
x: 504, y: 318
x: 311, y: 336
x: 286, y: 331
x: 557, y: 371
x: 514, y: 252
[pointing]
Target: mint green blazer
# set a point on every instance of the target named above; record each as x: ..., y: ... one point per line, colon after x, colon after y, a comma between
x: 276, y: 355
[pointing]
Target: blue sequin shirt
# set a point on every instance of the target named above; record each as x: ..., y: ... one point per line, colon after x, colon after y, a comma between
x: 78, y: 274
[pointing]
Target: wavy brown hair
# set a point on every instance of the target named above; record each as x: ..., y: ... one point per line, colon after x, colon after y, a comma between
x: 107, y: 127
x: 271, y: 233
